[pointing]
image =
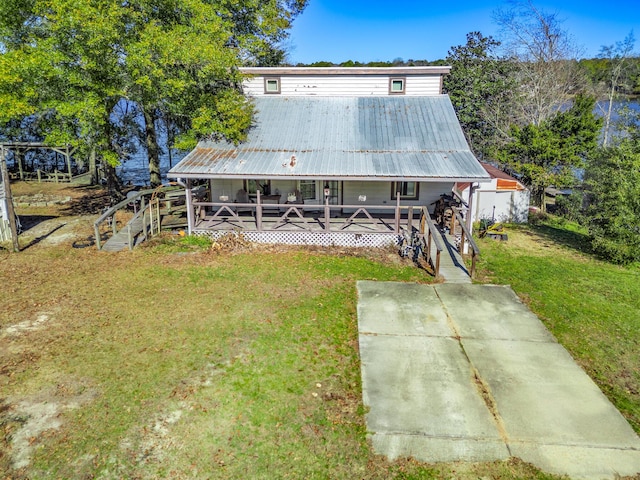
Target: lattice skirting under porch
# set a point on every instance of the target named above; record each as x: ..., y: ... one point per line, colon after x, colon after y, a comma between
x: 341, y: 239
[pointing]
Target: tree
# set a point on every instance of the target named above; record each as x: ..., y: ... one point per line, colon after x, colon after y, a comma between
x: 613, y: 180
x: 479, y: 86
x: 618, y: 61
x: 548, y: 153
x: 75, y: 62
x: 547, y: 73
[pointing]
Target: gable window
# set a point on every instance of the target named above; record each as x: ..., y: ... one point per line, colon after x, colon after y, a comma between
x: 396, y: 86
x: 407, y: 190
x: 272, y: 85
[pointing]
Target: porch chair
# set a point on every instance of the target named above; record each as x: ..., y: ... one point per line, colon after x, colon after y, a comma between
x: 243, y: 197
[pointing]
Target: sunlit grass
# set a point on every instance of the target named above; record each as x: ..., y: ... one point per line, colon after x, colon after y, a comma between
x: 592, y: 307
x: 229, y: 363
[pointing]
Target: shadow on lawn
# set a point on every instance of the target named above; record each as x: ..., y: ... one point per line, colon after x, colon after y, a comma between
x: 578, y: 241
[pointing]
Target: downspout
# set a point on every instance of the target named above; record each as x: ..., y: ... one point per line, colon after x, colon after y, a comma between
x: 189, y: 203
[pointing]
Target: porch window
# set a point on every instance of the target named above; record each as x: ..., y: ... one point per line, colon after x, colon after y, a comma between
x: 307, y: 189
x: 407, y: 190
x: 272, y: 85
x: 251, y: 186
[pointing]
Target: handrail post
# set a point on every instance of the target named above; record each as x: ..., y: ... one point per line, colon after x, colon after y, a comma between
x: 144, y: 224
x: 258, y: 211
x: 158, y: 214
x: 129, y: 239
x: 114, y: 225
x: 97, y: 234
x: 473, y: 264
x: 452, y: 224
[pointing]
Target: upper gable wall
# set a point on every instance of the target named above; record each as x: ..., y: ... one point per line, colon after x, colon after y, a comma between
x: 418, y: 81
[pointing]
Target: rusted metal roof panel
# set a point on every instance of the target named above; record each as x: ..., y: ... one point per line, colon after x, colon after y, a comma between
x: 397, y: 137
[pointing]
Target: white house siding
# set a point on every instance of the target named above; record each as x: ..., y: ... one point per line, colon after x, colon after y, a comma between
x: 349, y: 86
x: 499, y: 205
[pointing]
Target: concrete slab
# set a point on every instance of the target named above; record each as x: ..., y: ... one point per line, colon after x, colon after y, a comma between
x: 423, y: 385
x: 491, y: 311
x: 400, y: 309
x: 578, y: 462
x: 544, y: 396
x: 423, y: 371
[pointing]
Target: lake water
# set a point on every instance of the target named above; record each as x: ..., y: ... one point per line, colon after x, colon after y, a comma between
x: 135, y: 170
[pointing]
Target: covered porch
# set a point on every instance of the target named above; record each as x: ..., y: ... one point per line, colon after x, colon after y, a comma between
x: 296, y: 223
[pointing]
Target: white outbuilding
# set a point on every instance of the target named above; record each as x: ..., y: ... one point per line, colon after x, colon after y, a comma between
x: 504, y: 199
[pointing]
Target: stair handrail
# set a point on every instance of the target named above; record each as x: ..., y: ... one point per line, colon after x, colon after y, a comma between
x: 110, y: 212
x: 466, y: 235
x: 432, y: 234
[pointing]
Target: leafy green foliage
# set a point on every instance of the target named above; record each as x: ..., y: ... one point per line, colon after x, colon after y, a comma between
x: 547, y: 154
x: 613, y: 178
x: 479, y: 86
x: 69, y: 67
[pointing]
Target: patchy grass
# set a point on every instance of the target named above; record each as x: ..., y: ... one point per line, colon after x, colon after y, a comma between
x: 187, y: 359
x: 592, y: 307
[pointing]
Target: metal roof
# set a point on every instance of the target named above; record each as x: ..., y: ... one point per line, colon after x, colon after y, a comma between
x: 348, y: 138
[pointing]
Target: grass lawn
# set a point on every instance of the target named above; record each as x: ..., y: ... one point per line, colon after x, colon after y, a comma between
x: 592, y: 307
x: 181, y: 361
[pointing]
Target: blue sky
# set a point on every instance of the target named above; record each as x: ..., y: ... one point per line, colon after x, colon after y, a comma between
x: 371, y: 30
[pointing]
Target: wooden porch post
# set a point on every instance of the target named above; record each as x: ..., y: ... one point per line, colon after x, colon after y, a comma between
x: 397, y: 219
x: 258, y: 211
x: 13, y: 227
x: 18, y: 157
x: 327, y: 215
x: 410, y: 219
x: 189, y: 203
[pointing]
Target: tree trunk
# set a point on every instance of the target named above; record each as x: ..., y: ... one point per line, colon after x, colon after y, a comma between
x: 93, y: 168
x: 114, y: 186
x: 153, y: 149
x: 539, y: 197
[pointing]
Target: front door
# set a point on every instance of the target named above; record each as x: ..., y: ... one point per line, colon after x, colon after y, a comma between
x: 335, y: 192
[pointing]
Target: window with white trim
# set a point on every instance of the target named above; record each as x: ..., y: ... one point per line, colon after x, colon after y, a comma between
x: 397, y: 86
x: 307, y: 189
x: 407, y: 190
x: 272, y: 85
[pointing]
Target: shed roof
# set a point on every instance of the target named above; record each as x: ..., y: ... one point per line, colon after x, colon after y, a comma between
x: 344, y: 138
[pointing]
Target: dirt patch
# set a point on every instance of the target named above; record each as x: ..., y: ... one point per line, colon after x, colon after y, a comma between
x: 27, y: 326
x: 25, y: 421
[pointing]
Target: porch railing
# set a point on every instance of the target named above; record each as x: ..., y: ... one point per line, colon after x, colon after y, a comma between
x: 360, y: 215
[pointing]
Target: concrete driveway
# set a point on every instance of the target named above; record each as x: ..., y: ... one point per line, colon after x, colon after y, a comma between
x: 456, y: 372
